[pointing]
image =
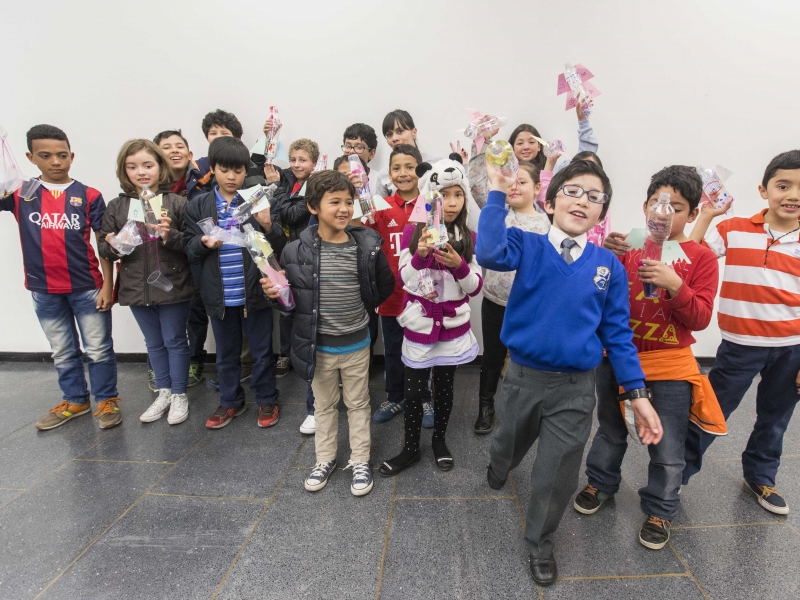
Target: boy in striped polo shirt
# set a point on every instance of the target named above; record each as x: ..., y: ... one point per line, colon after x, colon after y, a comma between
x: 759, y: 317
x: 339, y: 275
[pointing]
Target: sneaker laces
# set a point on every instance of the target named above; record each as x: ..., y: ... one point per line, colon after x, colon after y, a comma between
x: 659, y: 522
x: 387, y: 405
x: 319, y: 470
x: 195, y: 370
x: 427, y: 408
x: 360, y: 469
x: 60, y: 408
x: 107, y: 406
x: 767, y: 491
x: 283, y: 362
x: 221, y: 411
x: 590, y: 489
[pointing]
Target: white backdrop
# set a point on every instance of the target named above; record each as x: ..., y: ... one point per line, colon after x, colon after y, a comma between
x: 684, y: 81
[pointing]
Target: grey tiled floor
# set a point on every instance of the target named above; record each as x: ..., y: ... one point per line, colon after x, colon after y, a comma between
x: 153, y: 511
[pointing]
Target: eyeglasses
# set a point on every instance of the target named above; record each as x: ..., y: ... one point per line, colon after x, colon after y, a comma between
x: 398, y: 131
x: 576, y: 191
x: 356, y: 149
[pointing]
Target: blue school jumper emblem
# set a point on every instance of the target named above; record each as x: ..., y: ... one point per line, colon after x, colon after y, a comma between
x: 601, y: 278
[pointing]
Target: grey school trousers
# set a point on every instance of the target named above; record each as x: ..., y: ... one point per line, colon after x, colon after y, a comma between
x: 557, y: 409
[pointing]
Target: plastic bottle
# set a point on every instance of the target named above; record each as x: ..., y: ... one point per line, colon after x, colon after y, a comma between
x: 553, y: 148
x: 500, y: 155
x: 244, y: 209
x: 486, y: 123
x: 264, y: 257
x: 714, y: 188
x: 659, y: 226
x: 364, y: 193
x: 322, y: 163
x: 434, y: 204
x: 576, y: 86
x: 150, y: 219
x: 272, y: 137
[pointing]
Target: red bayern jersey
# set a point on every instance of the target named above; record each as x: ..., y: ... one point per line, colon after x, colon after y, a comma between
x: 389, y: 224
x: 664, y: 322
x: 55, y: 230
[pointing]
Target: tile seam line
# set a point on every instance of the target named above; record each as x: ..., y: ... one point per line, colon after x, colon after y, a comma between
x: 718, y: 525
x: 688, y: 570
x: 642, y: 576
x: 257, y: 523
x: 386, y: 540
x: 452, y: 498
x: 135, y: 462
x: 56, y: 470
x: 119, y: 518
x: 232, y: 499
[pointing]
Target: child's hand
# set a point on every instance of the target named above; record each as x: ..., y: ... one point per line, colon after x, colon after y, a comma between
x: 268, y: 126
x: 707, y: 205
x: 498, y: 181
x: 490, y: 134
x: 264, y: 219
x: 104, y: 296
x: 616, y: 243
x: 459, y: 150
x: 650, y: 430
x: 270, y: 290
x: 163, y: 227
x: 424, y: 245
x: 355, y: 179
x: 271, y: 173
x: 447, y: 257
x: 579, y: 109
x: 207, y: 241
x: 797, y: 381
x: 660, y: 275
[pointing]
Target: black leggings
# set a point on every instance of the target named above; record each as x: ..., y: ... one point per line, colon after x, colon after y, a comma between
x: 494, y: 352
x: 416, y: 393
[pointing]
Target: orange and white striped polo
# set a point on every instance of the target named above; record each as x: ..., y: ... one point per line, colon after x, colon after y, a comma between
x: 759, y: 303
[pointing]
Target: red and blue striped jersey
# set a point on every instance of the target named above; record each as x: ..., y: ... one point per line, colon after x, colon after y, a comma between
x: 55, y: 230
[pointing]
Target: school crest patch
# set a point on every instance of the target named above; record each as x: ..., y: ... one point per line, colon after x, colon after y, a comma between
x: 75, y: 201
x: 601, y: 278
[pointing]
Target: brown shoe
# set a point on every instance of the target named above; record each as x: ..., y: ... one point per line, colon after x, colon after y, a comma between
x: 268, y: 415
x: 61, y: 414
x: 110, y: 415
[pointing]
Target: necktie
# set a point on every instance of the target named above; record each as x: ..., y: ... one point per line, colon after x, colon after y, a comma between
x: 566, y: 246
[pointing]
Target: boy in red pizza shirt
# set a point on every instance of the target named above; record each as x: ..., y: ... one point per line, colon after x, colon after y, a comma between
x: 389, y: 224
x: 662, y: 332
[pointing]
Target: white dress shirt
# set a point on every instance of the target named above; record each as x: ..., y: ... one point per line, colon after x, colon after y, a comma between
x: 556, y: 236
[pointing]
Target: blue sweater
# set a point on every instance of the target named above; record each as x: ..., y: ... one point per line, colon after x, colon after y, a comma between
x: 559, y: 317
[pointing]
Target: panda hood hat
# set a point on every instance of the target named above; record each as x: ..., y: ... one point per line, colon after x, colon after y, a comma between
x: 446, y: 173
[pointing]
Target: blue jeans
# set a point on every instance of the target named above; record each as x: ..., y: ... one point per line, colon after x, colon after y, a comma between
x: 286, y: 322
x: 228, y: 335
x: 57, y: 315
x: 672, y: 401
x: 394, y: 370
x: 731, y: 376
x: 164, y: 329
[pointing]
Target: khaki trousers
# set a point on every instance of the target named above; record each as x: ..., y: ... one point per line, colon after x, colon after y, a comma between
x: 354, y: 369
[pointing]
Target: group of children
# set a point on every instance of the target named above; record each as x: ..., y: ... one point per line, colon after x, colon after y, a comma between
x: 566, y: 324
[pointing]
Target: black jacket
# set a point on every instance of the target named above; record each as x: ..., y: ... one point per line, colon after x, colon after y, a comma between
x: 293, y: 209
x: 205, y: 262
x: 136, y: 267
x: 300, y: 259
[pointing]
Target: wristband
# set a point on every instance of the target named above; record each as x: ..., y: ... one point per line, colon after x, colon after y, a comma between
x: 635, y: 394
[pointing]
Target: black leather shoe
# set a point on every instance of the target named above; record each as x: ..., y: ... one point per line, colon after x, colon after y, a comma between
x: 488, y: 386
x: 391, y: 467
x: 485, y: 419
x: 494, y: 482
x: 544, y: 570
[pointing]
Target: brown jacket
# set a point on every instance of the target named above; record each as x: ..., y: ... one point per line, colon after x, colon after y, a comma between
x: 146, y: 258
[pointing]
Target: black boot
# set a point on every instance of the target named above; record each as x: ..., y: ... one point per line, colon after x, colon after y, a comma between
x: 489, y: 380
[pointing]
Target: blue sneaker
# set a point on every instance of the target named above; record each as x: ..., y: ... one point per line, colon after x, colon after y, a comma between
x: 427, y: 415
x: 362, y: 478
x: 388, y: 410
x: 769, y: 498
x: 318, y: 478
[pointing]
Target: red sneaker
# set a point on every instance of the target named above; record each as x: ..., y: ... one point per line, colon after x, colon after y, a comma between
x: 222, y: 416
x: 268, y: 415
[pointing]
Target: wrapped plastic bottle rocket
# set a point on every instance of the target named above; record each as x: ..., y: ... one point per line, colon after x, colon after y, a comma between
x: 150, y: 219
x: 554, y: 148
x: 364, y: 193
x: 434, y: 204
x: 322, y: 163
x: 714, y: 188
x: 261, y: 251
x: 272, y: 137
x: 486, y: 123
x: 576, y: 87
x: 500, y: 155
x: 659, y: 226
x: 244, y: 210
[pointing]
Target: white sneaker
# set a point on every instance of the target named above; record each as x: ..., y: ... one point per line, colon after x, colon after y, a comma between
x: 309, y: 426
x: 157, y: 408
x: 178, y: 410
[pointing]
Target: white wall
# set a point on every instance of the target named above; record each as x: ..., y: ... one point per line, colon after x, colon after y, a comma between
x: 691, y: 82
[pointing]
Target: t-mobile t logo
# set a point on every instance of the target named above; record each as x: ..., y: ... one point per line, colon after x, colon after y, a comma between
x: 394, y: 242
